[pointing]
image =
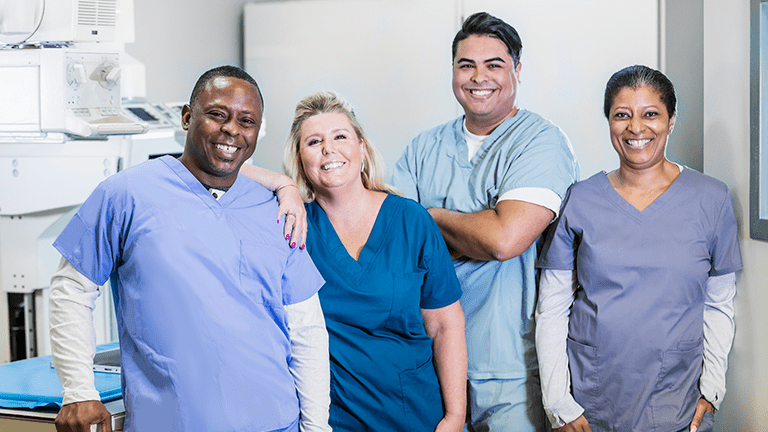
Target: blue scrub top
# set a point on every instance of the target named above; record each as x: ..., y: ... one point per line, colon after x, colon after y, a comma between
x: 201, y: 285
x: 382, y: 376
x: 525, y: 151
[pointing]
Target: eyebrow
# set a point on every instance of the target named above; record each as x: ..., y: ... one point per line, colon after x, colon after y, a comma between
x: 491, y: 60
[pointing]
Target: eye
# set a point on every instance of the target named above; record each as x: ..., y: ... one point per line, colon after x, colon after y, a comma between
x: 494, y: 66
x: 313, y: 141
x: 216, y: 114
x: 248, y: 122
x: 651, y: 114
x: 466, y: 66
x: 620, y: 115
x: 340, y: 137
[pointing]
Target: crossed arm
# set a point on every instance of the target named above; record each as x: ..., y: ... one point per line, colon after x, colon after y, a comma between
x: 498, y: 234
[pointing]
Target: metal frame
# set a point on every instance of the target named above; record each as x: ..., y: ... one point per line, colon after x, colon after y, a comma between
x: 758, y: 178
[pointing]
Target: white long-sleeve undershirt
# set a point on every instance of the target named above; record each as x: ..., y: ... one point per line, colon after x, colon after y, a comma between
x: 557, y: 290
x: 73, y: 342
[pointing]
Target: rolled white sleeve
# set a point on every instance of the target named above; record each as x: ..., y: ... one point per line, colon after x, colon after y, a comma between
x: 309, y: 363
x: 718, y: 336
x: 556, y: 295
x: 73, y: 338
x: 544, y: 197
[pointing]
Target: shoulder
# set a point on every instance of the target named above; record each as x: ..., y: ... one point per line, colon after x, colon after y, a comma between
x: 705, y: 184
x: 135, y: 178
x: 406, y: 206
x: 540, y: 129
x: 439, y: 133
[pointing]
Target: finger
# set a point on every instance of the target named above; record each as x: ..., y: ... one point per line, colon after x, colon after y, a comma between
x: 290, y: 229
x: 300, y: 230
x: 697, y: 417
x: 106, y: 425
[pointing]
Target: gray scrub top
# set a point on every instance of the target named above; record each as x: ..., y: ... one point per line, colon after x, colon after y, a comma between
x: 635, y: 342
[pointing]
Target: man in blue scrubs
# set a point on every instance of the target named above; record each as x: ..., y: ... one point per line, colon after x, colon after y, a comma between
x: 220, y: 325
x: 493, y: 180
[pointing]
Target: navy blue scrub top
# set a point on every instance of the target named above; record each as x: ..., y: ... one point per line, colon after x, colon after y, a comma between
x: 382, y: 376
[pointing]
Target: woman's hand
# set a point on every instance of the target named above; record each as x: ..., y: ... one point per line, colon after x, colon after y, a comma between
x: 702, y: 406
x: 291, y: 205
x: 578, y: 425
x: 451, y: 424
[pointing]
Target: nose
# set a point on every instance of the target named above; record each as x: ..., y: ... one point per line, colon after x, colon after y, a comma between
x: 328, y: 146
x: 230, y: 127
x: 636, y: 124
x: 478, y: 74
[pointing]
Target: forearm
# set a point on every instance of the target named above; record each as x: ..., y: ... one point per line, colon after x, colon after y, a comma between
x: 498, y: 234
x: 309, y: 363
x: 718, y: 336
x: 268, y: 179
x: 73, y: 338
x: 446, y: 328
x: 556, y: 295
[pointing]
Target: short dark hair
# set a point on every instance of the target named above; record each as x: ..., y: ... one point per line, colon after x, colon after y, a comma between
x: 639, y: 76
x: 484, y: 24
x: 222, y: 71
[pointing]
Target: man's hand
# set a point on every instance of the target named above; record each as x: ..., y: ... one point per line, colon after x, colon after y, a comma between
x: 578, y: 425
x: 702, y: 406
x: 79, y: 416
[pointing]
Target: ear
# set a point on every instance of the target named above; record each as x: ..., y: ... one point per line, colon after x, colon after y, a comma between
x: 518, y: 69
x: 672, y: 122
x: 186, y: 114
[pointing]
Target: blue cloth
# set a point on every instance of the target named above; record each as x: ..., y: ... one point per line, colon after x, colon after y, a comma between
x: 201, y: 286
x: 382, y: 376
x: 635, y: 341
x: 498, y: 297
x: 33, y: 383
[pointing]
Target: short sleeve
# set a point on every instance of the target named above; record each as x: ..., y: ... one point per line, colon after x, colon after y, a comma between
x: 725, y: 253
x: 441, y: 286
x: 91, y: 241
x: 404, y: 177
x: 546, y: 162
x: 301, y: 279
x: 561, y: 242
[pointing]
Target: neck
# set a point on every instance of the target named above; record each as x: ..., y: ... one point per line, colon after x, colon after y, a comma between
x: 480, y: 125
x: 664, y: 172
x: 344, y: 202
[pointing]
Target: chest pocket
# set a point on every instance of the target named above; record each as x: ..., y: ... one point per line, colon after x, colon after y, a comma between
x: 261, y: 273
x: 405, y: 314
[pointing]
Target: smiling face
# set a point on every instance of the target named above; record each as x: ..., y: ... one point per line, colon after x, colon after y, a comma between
x: 639, y: 126
x: 222, y: 128
x: 485, y: 82
x: 331, y: 153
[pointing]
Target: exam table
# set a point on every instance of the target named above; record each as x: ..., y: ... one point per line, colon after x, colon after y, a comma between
x: 30, y: 395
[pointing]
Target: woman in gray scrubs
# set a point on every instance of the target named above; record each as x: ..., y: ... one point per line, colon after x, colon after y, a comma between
x: 635, y: 311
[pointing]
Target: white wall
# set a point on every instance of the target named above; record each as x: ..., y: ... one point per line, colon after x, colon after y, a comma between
x: 726, y: 157
x: 177, y: 40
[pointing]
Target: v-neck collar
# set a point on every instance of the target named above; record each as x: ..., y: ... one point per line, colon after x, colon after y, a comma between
x: 654, y: 208
x: 376, y: 238
x: 197, y: 188
x: 462, y: 149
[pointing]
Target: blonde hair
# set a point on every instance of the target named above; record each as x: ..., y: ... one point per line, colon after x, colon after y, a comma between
x: 322, y: 103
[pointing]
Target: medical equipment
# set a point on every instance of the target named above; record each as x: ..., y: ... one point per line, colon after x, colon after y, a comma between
x: 62, y: 131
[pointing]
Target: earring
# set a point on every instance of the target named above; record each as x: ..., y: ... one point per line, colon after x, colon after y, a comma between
x: 362, y: 167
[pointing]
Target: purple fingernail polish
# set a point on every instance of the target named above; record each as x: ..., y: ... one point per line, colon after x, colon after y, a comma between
x: 293, y: 244
x: 287, y: 236
x: 301, y: 247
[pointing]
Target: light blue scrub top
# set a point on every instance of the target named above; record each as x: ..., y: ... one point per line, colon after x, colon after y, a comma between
x: 200, y: 289
x: 498, y: 297
x: 382, y: 372
x: 635, y: 342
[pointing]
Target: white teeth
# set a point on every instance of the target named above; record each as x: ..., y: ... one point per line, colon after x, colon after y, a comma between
x: 481, y: 92
x: 638, y: 143
x: 226, y: 148
x: 332, y: 165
